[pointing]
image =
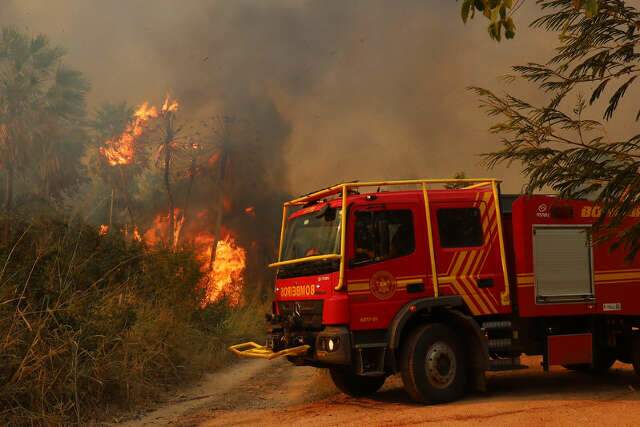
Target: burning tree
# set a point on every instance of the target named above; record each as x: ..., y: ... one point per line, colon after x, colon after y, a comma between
x: 166, y: 151
x: 119, y: 153
x: 180, y: 157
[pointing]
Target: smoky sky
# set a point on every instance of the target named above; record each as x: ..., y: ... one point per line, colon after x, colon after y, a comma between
x: 360, y: 89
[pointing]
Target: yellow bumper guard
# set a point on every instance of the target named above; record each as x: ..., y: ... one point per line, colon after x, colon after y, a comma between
x: 257, y: 351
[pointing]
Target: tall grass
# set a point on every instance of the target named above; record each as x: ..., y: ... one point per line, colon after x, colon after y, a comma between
x: 91, y: 323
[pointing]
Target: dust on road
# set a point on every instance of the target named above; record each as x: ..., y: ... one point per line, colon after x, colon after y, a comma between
x: 276, y: 393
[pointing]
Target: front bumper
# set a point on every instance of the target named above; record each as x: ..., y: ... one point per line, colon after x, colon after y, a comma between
x: 257, y: 351
x: 329, y: 346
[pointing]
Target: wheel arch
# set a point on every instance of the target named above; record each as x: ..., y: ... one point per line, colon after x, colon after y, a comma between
x: 449, y: 310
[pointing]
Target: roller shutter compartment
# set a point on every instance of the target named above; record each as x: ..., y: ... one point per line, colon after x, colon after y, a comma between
x: 562, y: 259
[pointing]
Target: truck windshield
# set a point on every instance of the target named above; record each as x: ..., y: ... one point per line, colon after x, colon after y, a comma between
x: 316, y: 233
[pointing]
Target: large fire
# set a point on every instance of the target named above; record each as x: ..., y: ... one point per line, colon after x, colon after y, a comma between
x: 225, y: 277
x: 222, y: 278
x: 121, y: 150
x: 223, y: 271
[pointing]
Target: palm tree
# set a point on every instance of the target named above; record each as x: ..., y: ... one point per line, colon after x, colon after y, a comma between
x: 41, y: 103
x: 110, y: 120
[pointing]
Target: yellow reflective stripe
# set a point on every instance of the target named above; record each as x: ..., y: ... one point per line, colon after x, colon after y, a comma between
x: 467, y: 299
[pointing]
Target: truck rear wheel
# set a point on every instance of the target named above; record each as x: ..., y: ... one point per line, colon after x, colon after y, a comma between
x: 355, y: 385
x: 433, y: 365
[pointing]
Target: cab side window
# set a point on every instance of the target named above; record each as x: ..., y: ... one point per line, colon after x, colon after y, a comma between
x: 460, y: 227
x: 381, y: 235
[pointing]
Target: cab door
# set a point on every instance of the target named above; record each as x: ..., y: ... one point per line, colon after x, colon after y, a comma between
x: 386, y: 261
x: 468, y: 252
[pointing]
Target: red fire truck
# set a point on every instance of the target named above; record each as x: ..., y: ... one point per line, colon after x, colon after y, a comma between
x: 444, y: 284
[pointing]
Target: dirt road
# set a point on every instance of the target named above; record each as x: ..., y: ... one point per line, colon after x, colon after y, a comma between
x: 275, y: 393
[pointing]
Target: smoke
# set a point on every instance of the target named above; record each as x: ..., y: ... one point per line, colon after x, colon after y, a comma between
x: 321, y: 91
x: 362, y: 89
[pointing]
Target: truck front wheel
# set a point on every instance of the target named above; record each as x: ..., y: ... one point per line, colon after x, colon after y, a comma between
x: 355, y: 385
x: 433, y: 365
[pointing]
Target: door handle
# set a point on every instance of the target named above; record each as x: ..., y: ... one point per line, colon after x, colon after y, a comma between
x: 487, y: 282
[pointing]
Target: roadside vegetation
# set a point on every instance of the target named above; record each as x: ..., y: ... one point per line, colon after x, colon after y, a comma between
x: 93, y: 323
x: 127, y: 263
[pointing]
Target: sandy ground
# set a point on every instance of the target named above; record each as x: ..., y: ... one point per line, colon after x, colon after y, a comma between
x: 266, y: 393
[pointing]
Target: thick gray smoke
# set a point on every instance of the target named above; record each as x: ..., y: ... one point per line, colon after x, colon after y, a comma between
x: 357, y: 89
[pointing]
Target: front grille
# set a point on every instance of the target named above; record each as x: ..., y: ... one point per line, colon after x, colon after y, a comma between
x: 310, y: 268
x: 306, y: 314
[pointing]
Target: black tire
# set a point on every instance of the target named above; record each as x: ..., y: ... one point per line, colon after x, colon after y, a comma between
x: 433, y: 364
x: 355, y: 385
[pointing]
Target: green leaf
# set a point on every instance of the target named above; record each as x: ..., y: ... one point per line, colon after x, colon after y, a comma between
x: 509, y: 28
x: 466, y: 7
x: 591, y: 7
x: 494, y: 30
x: 503, y: 12
x: 598, y: 91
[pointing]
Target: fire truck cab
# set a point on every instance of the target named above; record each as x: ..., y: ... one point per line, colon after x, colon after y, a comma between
x: 444, y: 284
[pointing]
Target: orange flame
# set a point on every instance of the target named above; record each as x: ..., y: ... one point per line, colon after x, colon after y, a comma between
x: 250, y: 211
x: 104, y: 229
x: 120, y: 151
x: 169, y: 106
x: 178, y: 219
x: 136, y: 234
x: 159, y: 230
x: 225, y: 278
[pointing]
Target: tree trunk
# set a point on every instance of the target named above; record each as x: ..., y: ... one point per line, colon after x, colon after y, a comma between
x: 187, y: 200
x: 167, y: 181
x: 217, y: 224
x: 113, y: 194
x: 127, y: 199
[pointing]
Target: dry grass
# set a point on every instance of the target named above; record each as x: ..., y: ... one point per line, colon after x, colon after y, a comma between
x: 90, y: 324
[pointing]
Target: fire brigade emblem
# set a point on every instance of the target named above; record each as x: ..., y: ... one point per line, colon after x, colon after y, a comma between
x: 383, y: 285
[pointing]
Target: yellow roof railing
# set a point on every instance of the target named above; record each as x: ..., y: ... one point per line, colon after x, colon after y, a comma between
x: 335, y: 189
x: 342, y: 191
